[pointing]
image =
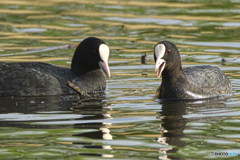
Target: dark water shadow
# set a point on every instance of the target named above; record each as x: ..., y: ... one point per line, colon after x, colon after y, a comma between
x: 101, y: 131
x: 90, y: 109
x: 174, y: 122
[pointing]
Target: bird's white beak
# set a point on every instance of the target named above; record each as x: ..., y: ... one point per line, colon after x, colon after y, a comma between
x: 159, y: 66
x: 104, y: 54
x: 160, y: 63
x: 104, y: 66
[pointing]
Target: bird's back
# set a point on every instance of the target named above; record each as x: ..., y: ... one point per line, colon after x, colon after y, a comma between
x: 36, y: 78
x: 207, y: 81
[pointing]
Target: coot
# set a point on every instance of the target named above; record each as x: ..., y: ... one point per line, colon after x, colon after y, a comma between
x: 40, y: 79
x: 198, y: 82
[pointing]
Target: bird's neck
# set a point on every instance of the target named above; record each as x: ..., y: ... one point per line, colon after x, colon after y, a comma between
x: 78, y: 71
x: 173, y: 75
x: 79, y: 66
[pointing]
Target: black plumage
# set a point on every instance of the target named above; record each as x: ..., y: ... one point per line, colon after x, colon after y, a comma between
x: 199, y: 82
x: 40, y: 79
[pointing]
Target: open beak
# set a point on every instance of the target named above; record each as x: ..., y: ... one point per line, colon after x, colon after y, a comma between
x: 159, y: 66
x: 159, y: 51
x: 104, y: 66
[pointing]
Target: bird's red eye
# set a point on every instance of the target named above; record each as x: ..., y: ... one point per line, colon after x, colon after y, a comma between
x: 168, y: 51
x: 93, y: 50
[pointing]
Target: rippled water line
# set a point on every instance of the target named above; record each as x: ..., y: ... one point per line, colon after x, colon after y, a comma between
x: 36, y: 51
x: 110, y: 121
x: 39, y: 117
x: 225, y: 114
x: 146, y: 20
x: 216, y: 44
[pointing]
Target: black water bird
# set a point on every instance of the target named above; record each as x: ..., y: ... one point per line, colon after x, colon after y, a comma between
x: 144, y: 58
x: 198, y: 82
x: 224, y: 61
x: 41, y: 79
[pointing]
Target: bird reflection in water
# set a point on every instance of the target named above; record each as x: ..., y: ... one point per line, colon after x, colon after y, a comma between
x: 99, y: 111
x: 41, y: 113
x: 174, y: 123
